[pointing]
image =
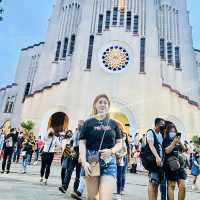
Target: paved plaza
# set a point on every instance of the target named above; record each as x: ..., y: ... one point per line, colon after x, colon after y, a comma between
x: 18, y: 186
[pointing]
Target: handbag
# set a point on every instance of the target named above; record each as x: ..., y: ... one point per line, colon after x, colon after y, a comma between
x: 94, y: 165
x: 173, y: 163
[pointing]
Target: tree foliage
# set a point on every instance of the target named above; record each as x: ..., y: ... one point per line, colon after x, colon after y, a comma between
x: 27, y: 126
x: 196, y: 141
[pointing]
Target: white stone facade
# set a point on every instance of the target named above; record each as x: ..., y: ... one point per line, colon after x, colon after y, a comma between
x: 141, y: 56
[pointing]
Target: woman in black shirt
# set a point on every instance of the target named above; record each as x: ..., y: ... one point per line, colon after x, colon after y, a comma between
x: 174, y: 171
x: 100, y: 139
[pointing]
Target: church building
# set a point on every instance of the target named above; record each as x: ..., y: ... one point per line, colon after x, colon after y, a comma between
x: 138, y: 52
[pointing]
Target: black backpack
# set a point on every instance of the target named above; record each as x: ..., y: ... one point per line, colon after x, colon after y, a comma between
x: 147, y: 157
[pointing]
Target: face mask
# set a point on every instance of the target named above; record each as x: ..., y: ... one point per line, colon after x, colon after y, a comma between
x: 172, y: 134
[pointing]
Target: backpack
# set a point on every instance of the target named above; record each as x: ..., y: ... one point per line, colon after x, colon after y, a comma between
x: 147, y: 157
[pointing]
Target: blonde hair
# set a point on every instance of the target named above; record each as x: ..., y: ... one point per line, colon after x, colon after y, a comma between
x: 94, y: 110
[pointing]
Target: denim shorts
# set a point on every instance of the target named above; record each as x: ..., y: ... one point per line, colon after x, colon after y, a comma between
x: 108, y: 167
x: 156, y: 177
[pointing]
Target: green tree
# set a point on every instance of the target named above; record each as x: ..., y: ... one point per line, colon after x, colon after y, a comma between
x: 27, y: 126
x: 196, y: 141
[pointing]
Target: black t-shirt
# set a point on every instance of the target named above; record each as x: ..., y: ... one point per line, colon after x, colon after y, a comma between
x: 10, y: 140
x: 20, y: 141
x: 167, y: 142
x: 93, y: 130
x: 28, y: 148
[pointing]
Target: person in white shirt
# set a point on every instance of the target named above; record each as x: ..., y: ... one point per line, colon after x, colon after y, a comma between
x: 51, y: 142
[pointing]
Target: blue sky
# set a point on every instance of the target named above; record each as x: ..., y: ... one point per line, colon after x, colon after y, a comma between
x: 25, y: 23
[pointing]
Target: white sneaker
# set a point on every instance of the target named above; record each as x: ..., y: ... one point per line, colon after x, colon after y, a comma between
x: 35, y: 163
x: 45, y: 181
x: 118, y: 196
x: 41, y: 180
x: 194, y: 187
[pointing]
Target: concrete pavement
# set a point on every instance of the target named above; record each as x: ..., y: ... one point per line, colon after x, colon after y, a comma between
x: 18, y: 186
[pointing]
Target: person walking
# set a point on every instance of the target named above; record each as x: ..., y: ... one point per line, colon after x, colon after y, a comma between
x: 26, y: 154
x: 51, y: 142
x: 32, y: 140
x: 8, y: 148
x: 154, y: 142
x: 100, y: 140
x: 66, y: 153
x: 20, y: 140
x: 39, y: 143
x: 73, y: 161
x: 121, y: 164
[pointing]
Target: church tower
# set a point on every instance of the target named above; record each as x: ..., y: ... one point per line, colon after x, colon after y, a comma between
x: 151, y: 31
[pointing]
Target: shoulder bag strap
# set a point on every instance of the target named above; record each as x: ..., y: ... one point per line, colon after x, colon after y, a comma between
x: 50, y: 145
x: 103, y: 136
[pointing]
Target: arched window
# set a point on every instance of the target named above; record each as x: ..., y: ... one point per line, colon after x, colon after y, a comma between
x: 142, y: 55
x: 162, y: 48
x: 7, y: 105
x: 107, y: 23
x: 58, y: 50
x: 177, y: 57
x: 128, y: 21
x: 169, y: 53
x: 121, y: 22
x: 27, y: 90
x: 115, y: 13
x: 72, y: 44
x: 90, y: 51
x: 100, y: 24
x: 11, y: 105
x: 65, y: 48
x: 136, y: 24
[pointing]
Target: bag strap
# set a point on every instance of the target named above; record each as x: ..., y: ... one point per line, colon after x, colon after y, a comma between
x: 103, y: 137
x: 155, y: 137
x: 50, y: 145
x: 156, y: 142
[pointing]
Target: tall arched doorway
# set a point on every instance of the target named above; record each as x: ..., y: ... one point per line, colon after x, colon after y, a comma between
x: 122, y: 120
x: 124, y: 115
x: 59, y: 121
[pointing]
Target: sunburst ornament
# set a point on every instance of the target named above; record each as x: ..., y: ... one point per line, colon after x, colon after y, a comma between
x: 115, y: 58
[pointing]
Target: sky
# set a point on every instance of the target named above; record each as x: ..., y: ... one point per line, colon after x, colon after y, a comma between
x: 25, y: 23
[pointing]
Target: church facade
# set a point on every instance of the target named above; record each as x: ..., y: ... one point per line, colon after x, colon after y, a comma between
x: 138, y: 52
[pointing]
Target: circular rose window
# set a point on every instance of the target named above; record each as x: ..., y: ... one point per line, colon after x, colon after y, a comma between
x: 115, y: 58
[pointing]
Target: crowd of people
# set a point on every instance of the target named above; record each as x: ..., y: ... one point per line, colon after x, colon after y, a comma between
x: 101, y: 154
x: 15, y: 145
